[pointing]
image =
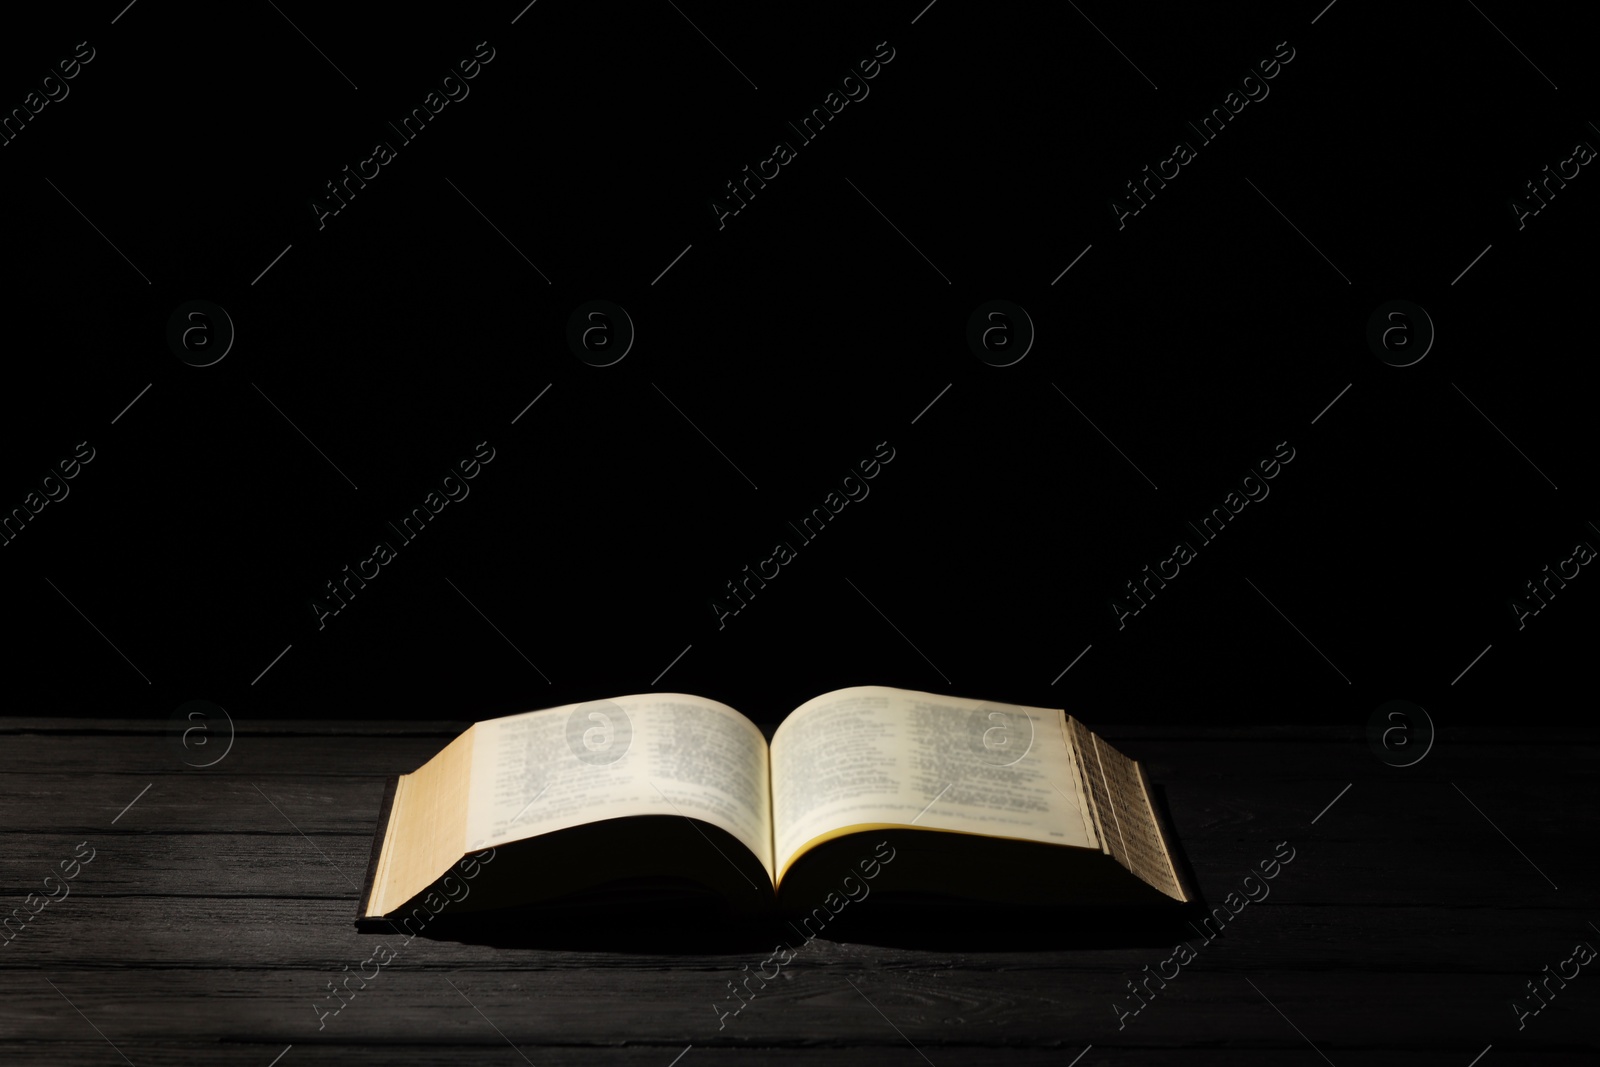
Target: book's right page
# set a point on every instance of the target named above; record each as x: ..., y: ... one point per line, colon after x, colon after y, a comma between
x: 871, y: 756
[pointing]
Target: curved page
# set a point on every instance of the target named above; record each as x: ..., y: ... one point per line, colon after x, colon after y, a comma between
x: 659, y: 753
x: 870, y: 756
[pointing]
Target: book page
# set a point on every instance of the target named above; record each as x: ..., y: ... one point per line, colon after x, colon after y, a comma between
x: 654, y: 754
x: 873, y: 755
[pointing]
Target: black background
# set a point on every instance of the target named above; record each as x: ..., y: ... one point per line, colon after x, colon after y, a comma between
x: 797, y: 338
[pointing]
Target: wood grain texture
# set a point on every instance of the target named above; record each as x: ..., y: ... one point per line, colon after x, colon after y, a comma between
x: 219, y: 905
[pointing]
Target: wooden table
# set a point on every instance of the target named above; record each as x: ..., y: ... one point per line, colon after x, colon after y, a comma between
x: 218, y: 905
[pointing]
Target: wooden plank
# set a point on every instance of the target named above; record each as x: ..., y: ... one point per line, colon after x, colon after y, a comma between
x: 1466, y: 865
x: 145, y: 755
x: 67, y: 804
x: 933, y: 1006
x: 1386, y: 842
x: 290, y: 933
x: 1555, y: 733
x: 66, y: 725
x: 819, y: 1053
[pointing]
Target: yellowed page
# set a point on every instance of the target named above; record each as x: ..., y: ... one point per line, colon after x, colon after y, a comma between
x: 874, y: 755
x: 652, y: 754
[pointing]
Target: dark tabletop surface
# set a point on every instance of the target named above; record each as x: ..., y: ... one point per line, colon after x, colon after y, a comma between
x: 218, y: 903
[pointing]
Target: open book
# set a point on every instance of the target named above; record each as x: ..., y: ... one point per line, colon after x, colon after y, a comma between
x: 665, y: 793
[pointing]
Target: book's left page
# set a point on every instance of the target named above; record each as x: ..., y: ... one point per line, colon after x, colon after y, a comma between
x: 652, y: 754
